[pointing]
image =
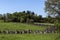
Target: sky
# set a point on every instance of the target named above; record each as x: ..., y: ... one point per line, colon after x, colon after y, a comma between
x: 10, y: 6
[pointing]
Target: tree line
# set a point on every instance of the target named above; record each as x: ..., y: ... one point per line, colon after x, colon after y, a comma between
x: 26, y: 16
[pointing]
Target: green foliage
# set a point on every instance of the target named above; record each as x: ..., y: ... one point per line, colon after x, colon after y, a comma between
x: 53, y: 7
x: 21, y: 19
x: 26, y: 17
x: 21, y: 16
x: 58, y: 26
x: 1, y: 17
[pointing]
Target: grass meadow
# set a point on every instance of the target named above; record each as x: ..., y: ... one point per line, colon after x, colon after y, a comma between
x: 17, y: 26
x: 28, y: 36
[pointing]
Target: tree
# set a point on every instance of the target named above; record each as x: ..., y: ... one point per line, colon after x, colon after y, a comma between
x: 5, y: 17
x: 1, y: 17
x: 21, y: 19
x: 52, y: 7
x: 24, y: 16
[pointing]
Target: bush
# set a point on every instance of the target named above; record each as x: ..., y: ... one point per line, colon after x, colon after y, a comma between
x: 58, y: 26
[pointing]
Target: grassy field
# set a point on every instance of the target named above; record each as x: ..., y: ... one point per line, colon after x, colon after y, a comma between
x: 29, y: 36
x: 17, y: 26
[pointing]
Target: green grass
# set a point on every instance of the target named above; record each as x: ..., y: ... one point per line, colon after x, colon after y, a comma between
x: 15, y: 26
x: 28, y: 36
x: 45, y: 23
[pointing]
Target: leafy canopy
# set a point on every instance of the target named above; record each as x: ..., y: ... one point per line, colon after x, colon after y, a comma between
x: 52, y: 7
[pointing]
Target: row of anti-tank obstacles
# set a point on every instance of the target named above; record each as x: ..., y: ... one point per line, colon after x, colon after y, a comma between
x: 26, y: 31
x: 51, y: 29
